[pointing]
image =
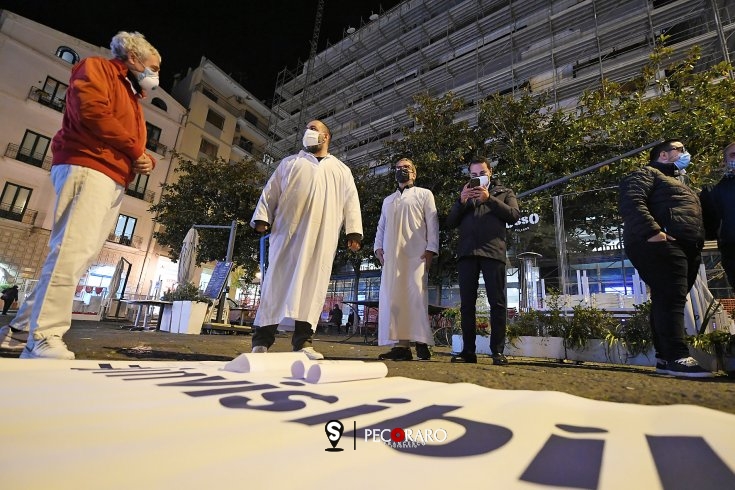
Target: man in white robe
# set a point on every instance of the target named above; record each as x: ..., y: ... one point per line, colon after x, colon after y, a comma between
x: 304, y: 205
x: 405, y: 243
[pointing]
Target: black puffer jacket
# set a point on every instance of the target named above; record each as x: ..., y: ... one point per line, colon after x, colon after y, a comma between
x: 718, y: 207
x: 482, y: 228
x: 652, y: 200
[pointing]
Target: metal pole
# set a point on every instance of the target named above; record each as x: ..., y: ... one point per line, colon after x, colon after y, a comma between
x: 587, y: 170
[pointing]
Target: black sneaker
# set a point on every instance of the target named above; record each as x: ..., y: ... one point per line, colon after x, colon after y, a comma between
x: 397, y: 354
x: 464, y: 358
x: 661, y: 367
x: 500, y: 360
x: 686, y: 367
x: 422, y: 352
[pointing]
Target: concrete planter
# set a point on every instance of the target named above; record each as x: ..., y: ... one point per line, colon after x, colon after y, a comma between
x: 184, y: 317
x: 542, y: 347
x: 482, y: 344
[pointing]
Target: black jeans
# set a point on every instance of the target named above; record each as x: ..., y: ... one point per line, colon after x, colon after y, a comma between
x: 670, y: 269
x: 727, y: 253
x: 493, y: 272
x: 265, y: 336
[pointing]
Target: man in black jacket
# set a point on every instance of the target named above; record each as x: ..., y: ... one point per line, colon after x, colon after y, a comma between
x: 483, y: 209
x: 664, y: 235
x: 718, y: 207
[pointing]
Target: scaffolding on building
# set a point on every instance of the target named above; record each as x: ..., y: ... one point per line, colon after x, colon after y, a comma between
x: 361, y: 86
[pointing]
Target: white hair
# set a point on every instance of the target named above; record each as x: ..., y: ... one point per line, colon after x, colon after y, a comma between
x: 125, y: 43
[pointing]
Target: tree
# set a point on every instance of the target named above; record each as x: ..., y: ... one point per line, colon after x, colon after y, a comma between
x: 212, y: 192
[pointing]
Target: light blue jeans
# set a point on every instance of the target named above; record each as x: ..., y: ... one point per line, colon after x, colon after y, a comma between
x: 87, y: 206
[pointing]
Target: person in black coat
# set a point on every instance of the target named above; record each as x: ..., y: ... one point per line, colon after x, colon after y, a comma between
x: 9, y: 296
x: 663, y: 236
x: 481, y: 212
x: 718, y: 208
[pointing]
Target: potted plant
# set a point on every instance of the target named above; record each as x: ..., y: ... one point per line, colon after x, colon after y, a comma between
x: 584, y: 332
x: 482, y: 332
x: 530, y: 334
x: 631, y: 341
x: 188, y: 311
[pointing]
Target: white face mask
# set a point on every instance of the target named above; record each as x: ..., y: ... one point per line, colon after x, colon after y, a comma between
x: 311, y: 138
x: 730, y: 167
x: 148, y: 80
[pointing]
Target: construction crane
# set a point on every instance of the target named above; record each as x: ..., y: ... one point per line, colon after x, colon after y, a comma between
x: 310, y: 65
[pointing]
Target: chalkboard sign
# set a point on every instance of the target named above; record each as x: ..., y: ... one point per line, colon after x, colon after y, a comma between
x: 218, y: 279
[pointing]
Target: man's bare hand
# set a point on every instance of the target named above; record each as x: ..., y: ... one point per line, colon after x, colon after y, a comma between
x: 379, y: 255
x: 143, y: 165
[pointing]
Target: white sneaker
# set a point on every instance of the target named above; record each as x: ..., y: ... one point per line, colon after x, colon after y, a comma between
x: 12, y: 341
x: 259, y: 349
x: 312, y: 354
x: 49, y: 348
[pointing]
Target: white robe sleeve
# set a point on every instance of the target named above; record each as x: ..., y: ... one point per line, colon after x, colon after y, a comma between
x: 432, y: 224
x: 352, y: 216
x: 265, y: 210
x: 380, y: 232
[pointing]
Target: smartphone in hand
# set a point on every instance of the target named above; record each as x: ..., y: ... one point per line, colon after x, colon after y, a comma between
x: 479, y: 181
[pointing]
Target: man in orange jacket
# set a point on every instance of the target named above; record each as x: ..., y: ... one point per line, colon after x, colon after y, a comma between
x: 96, y: 154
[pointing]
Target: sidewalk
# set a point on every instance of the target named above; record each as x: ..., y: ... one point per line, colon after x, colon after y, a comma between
x: 607, y: 382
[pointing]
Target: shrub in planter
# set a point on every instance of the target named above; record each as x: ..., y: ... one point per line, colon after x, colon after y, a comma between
x: 188, y: 311
x: 587, y: 323
x: 634, y: 334
x: 186, y: 292
x: 719, y: 344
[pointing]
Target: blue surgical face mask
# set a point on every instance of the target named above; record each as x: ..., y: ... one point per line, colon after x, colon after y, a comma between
x: 729, y: 167
x: 683, y: 161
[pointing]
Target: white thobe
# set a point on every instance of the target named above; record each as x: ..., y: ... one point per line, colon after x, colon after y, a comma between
x: 407, y: 228
x: 306, y: 202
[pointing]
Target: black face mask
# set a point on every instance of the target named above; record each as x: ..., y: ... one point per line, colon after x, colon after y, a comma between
x: 402, y: 175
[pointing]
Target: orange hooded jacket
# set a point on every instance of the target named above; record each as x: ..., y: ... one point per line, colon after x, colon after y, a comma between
x: 103, y: 126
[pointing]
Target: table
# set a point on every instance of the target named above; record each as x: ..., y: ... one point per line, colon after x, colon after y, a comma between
x: 243, y: 315
x: 145, y: 306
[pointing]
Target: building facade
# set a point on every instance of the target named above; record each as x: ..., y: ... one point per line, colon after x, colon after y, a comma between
x: 224, y: 119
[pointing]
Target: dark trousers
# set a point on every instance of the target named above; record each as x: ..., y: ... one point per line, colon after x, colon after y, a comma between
x: 493, y: 272
x: 670, y: 269
x: 727, y: 252
x: 266, y: 335
x: 7, y: 303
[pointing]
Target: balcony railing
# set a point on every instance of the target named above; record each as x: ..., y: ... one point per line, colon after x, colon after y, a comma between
x: 157, y: 147
x: 45, y: 98
x: 27, y: 216
x: 144, y: 195
x: 22, y: 155
x: 134, y: 241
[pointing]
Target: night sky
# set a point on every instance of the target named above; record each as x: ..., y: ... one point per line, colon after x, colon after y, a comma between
x: 252, y: 41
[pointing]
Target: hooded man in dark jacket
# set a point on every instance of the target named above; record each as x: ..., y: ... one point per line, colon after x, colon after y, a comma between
x: 483, y: 209
x: 718, y: 208
x: 664, y: 235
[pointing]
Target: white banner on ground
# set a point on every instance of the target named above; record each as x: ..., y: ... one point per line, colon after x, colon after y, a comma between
x: 182, y: 425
